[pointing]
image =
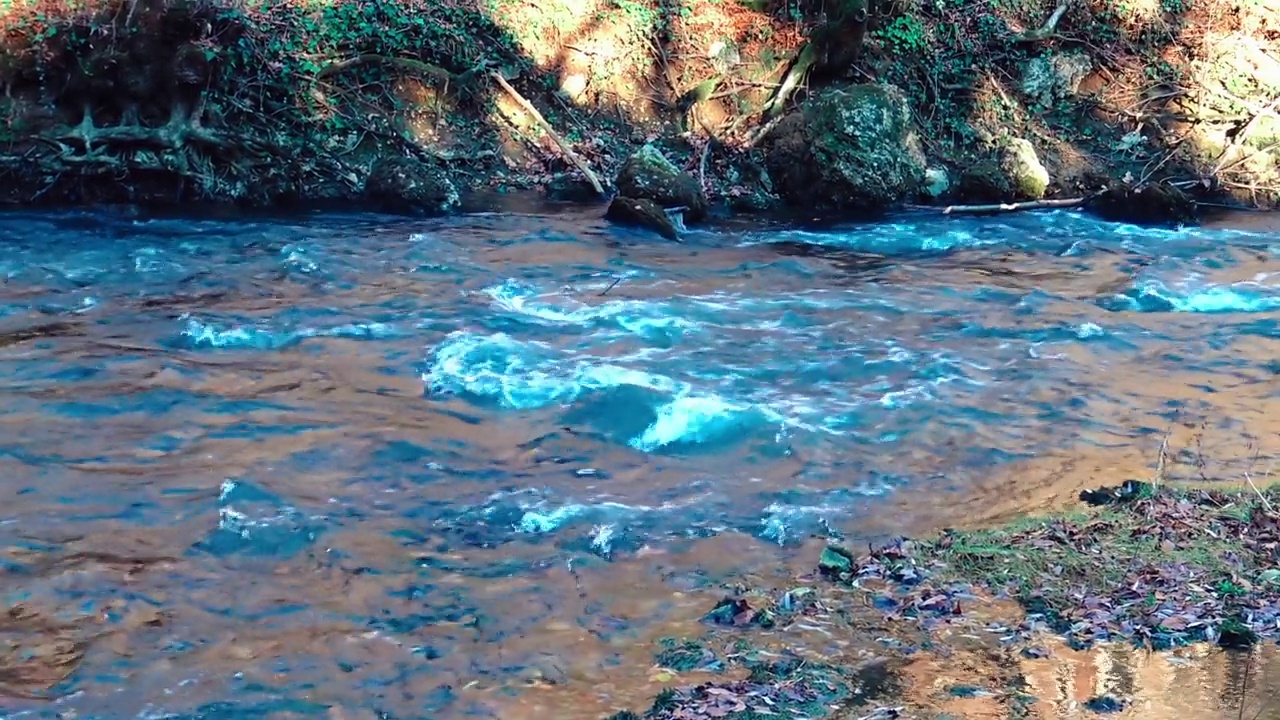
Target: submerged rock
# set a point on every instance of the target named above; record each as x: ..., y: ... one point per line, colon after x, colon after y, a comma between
x: 649, y: 175
x: 1145, y: 205
x: 847, y: 148
x: 1026, y: 175
x: 407, y: 185
x: 639, y: 212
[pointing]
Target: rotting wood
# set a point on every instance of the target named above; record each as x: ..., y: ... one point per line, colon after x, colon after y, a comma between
x: 569, y: 154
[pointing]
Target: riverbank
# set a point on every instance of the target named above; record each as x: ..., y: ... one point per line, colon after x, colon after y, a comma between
x: 1147, y: 566
x: 407, y: 106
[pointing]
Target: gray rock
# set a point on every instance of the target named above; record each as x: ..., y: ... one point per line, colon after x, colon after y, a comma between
x: 937, y: 182
x: 1053, y: 77
x: 849, y: 148
x: 411, y: 186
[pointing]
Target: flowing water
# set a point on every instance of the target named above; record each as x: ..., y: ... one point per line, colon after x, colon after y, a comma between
x: 359, y: 467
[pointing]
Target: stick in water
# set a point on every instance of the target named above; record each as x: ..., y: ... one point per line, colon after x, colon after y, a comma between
x: 1005, y: 207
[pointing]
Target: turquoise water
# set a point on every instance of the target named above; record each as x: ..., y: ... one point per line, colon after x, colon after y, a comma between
x: 346, y: 460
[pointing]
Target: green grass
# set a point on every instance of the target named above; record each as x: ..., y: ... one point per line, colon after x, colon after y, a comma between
x: 1161, y: 567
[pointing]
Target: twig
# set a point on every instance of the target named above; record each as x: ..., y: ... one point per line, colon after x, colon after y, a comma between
x: 1164, y: 452
x: 702, y: 165
x: 1265, y: 503
x: 569, y: 154
x: 612, y: 285
x: 1004, y: 207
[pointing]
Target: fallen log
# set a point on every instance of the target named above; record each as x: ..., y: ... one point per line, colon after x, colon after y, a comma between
x: 568, y: 152
x: 1003, y: 207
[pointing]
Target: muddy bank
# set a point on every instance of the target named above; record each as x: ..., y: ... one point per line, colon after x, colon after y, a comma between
x: 1138, y: 566
x: 409, y: 107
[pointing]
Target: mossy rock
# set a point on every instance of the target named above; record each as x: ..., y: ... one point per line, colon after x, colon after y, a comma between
x: 410, y: 186
x: 649, y: 175
x: 1023, y: 169
x: 982, y: 183
x: 1157, y: 204
x: 639, y: 212
x: 851, y: 148
x: 1053, y: 77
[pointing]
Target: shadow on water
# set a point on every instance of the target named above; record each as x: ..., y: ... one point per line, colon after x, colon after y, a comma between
x: 356, y: 466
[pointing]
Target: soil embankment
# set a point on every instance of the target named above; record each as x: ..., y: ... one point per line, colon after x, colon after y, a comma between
x: 406, y: 106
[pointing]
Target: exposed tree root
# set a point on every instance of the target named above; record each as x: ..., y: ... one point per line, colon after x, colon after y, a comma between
x: 805, y: 59
x: 463, y: 81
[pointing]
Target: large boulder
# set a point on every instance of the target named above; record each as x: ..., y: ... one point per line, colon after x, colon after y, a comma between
x: 409, y: 186
x: 847, y: 148
x: 649, y: 175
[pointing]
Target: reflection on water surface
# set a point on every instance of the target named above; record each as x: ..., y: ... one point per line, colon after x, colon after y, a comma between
x: 363, y: 467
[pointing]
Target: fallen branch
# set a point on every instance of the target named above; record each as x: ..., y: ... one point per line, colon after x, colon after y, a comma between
x: 1003, y: 207
x: 546, y: 127
x: 416, y: 66
x: 702, y: 165
x: 760, y: 133
x: 1049, y: 28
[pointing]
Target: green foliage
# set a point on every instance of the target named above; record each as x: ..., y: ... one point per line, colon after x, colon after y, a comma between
x: 904, y: 35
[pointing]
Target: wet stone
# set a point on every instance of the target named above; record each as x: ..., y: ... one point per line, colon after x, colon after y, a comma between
x: 642, y: 213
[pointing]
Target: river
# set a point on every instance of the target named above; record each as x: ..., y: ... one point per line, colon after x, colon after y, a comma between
x: 363, y: 467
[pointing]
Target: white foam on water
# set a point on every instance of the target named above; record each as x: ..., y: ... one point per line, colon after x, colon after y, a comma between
x: 527, y: 374
x: 636, y: 316
x: 1243, y: 297
x: 204, y: 334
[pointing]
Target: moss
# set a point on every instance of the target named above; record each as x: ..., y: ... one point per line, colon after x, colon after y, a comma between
x: 686, y: 656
